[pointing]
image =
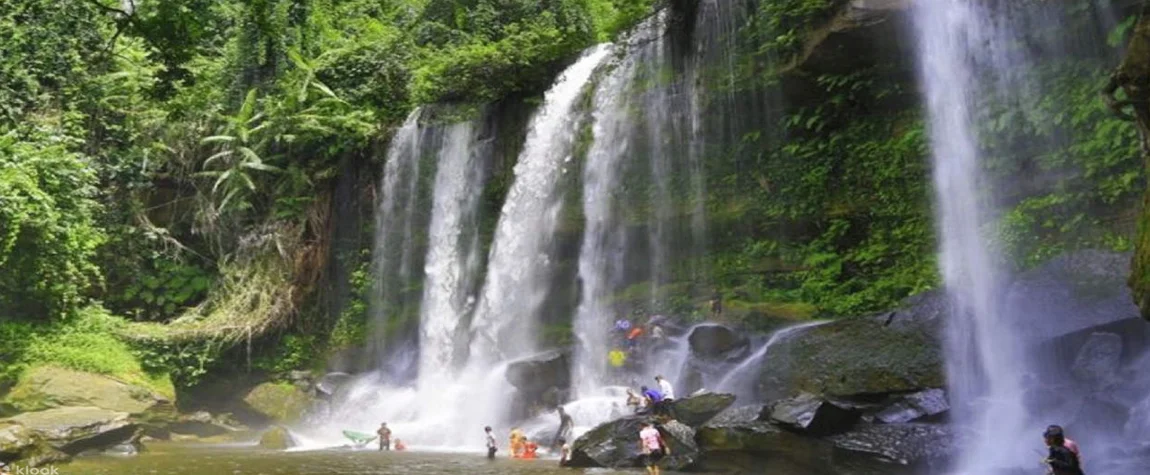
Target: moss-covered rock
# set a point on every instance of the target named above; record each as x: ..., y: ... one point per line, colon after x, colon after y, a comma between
x: 48, y: 387
x: 53, y: 435
x: 697, y: 410
x: 277, y: 438
x: 898, y: 352
x: 278, y: 402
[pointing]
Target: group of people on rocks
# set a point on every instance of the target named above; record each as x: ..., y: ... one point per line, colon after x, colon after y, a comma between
x: 654, y: 400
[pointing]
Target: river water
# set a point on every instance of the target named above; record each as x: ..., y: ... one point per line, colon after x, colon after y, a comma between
x: 182, y: 459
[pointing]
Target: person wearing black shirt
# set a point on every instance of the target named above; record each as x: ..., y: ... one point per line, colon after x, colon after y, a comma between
x: 1061, y: 460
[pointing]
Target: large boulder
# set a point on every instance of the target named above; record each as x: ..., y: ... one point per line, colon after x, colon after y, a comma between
x: 1098, y: 359
x: 904, y: 444
x: 713, y: 341
x: 696, y: 410
x: 539, y: 373
x: 615, y: 444
x: 915, y: 406
x: 56, y: 434
x: 897, y: 352
x: 48, y: 387
x: 277, y: 402
x: 1076, y: 291
x: 277, y: 438
x: 813, y: 415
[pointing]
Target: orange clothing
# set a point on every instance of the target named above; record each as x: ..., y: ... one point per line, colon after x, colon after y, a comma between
x: 635, y: 332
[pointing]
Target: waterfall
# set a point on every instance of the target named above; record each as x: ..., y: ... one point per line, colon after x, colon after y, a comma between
x: 737, y: 382
x: 453, y: 253
x: 519, y: 270
x: 394, y: 243
x: 602, y: 254
x: 959, y: 41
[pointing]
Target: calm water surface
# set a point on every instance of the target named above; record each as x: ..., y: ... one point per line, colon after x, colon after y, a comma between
x: 172, y: 459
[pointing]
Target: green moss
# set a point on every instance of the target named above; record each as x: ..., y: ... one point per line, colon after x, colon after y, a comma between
x: 85, y: 343
x: 280, y: 402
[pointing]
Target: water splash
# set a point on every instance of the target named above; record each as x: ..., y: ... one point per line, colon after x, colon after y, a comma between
x: 738, y: 382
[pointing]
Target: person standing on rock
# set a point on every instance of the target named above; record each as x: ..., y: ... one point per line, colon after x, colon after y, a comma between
x: 653, y: 447
x: 666, y: 388
x: 491, y: 447
x: 716, y: 304
x: 384, y: 437
x: 565, y: 427
x: 1061, y: 460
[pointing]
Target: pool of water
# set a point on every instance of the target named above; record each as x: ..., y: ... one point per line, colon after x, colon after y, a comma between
x: 177, y: 459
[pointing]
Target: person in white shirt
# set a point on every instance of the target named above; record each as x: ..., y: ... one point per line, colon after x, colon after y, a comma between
x: 665, y: 388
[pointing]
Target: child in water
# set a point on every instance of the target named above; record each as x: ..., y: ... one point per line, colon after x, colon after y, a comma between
x: 399, y: 445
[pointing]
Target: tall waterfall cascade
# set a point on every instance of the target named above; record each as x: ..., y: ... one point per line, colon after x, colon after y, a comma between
x: 984, y: 362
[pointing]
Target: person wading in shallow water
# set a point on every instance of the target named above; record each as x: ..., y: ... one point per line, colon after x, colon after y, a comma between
x: 384, y: 437
x: 653, y: 447
x: 491, y: 448
x: 1060, y: 459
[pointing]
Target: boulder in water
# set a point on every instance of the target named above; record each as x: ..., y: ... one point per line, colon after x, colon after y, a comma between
x: 55, y: 435
x: 715, y: 341
x: 1098, y: 359
x: 905, y: 444
x: 697, y: 410
x: 277, y: 438
x: 615, y: 444
x: 914, y: 407
x: 813, y: 415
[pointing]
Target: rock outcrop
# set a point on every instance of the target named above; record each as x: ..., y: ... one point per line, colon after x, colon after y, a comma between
x: 898, y: 352
x: 810, y: 414
x: 615, y: 444
x: 714, y: 341
x: 49, y: 387
x: 277, y: 402
x: 55, y: 435
x: 697, y: 410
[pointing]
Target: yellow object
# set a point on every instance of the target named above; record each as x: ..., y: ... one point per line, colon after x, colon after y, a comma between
x: 517, y: 443
x: 617, y: 357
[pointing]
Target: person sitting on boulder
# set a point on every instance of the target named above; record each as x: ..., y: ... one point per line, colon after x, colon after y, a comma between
x: 1060, y: 459
x: 634, y: 401
x: 653, y: 397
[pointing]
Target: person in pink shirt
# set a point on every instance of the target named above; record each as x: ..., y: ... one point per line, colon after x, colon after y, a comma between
x: 653, y: 447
